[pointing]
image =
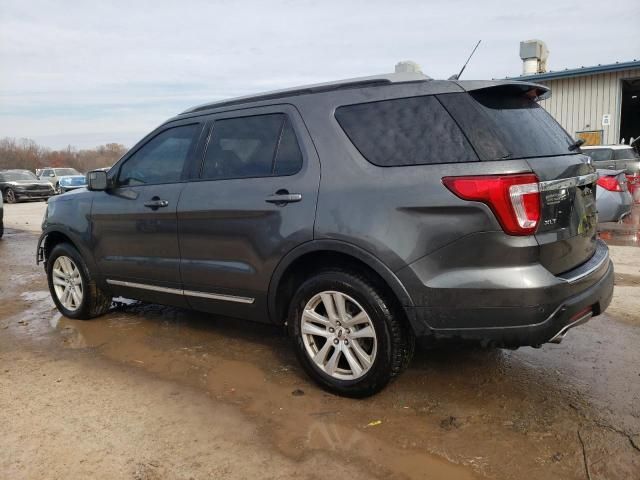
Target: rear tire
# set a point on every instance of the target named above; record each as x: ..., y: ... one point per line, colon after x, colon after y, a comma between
x: 355, y: 345
x: 73, y: 289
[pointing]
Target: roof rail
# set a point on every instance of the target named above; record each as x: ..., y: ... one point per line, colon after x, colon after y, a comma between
x: 378, y: 80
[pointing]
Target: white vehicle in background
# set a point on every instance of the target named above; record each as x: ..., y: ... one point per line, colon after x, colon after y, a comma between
x: 52, y: 175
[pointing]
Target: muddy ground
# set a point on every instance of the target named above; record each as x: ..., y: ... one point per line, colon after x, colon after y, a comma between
x: 149, y: 392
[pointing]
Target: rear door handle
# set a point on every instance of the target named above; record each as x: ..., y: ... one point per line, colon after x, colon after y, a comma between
x: 283, y: 197
x: 156, y: 203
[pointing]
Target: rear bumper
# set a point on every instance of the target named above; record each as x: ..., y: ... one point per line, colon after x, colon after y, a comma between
x: 513, y: 317
x: 612, y: 206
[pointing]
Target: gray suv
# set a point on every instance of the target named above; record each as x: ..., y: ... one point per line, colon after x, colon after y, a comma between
x: 362, y: 214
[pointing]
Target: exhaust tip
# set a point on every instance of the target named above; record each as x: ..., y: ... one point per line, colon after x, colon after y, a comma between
x: 578, y: 319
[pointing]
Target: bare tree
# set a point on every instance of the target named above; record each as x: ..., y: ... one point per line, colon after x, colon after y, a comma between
x: 24, y: 153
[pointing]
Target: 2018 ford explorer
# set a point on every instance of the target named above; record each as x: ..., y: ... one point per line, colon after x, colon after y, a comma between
x: 362, y: 214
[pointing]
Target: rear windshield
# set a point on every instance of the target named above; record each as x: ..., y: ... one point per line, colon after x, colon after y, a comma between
x: 503, y: 125
x: 625, y: 154
x: 600, y: 154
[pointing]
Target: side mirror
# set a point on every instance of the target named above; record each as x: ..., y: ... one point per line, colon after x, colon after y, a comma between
x: 97, y: 180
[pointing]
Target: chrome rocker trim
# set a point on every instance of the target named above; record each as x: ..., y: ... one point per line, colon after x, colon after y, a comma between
x: 188, y: 293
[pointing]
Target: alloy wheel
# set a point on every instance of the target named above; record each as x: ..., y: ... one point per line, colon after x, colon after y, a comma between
x: 338, y: 335
x: 67, y: 283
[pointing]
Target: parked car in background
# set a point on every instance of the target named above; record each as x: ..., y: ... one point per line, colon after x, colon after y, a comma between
x: 618, y: 157
x: 17, y: 185
x: 52, y: 175
x: 475, y: 231
x: 71, y: 182
x: 613, y: 199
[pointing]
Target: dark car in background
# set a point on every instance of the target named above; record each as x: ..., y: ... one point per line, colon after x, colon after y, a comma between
x: 618, y: 157
x: 72, y: 182
x: 434, y: 217
x: 18, y: 185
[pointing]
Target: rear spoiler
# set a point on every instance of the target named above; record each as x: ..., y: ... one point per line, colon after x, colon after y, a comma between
x: 535, y: 91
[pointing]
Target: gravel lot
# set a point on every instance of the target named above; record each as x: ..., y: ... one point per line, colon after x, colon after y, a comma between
x: 150, y: 392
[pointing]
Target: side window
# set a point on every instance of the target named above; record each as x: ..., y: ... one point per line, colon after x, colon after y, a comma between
x: 289, y: 158
x: 46, y: 173
x: 405, y: 131
x: 161, y: 159
x: 256, y: 146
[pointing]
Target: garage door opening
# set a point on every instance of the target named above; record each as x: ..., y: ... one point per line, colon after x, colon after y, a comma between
x: 630, y: 113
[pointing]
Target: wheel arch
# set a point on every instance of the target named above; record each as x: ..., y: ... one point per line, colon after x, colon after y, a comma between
x: 322, y: 253
x: 50, y: 238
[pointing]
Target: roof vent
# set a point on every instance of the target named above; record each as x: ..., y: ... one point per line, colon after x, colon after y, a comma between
x: 534, y: 54
x: 408, y: 66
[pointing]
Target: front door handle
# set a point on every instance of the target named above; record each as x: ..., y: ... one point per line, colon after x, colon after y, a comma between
x: 156, y: 203
x: 282, y: 197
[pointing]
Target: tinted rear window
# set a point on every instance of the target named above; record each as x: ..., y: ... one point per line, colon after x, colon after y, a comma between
x: 599, y: 154
x: 405, y: 131
x: 503, y: 125
x: 250, y: 147
x: 625, y: 154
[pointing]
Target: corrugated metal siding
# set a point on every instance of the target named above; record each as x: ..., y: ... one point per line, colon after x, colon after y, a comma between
x: 578, y: 103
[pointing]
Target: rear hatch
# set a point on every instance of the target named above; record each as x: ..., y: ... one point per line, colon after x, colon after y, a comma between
x: 503, y: 121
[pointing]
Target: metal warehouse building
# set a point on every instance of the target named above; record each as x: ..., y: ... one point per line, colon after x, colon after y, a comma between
x: 600, y: 104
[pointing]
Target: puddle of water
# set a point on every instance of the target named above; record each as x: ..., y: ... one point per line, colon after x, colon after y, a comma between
x: 36, y: 296
x: 448, y: 403
x: 625, y: 233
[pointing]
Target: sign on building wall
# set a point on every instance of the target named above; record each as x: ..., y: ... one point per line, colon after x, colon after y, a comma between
x: 606, y: 119
x: 591, y: 137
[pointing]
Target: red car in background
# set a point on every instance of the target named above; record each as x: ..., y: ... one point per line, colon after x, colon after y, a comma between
x: 618, y: 157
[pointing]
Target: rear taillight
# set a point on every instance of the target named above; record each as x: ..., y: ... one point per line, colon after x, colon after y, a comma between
x: 514, y: 199
x: 610, y: 183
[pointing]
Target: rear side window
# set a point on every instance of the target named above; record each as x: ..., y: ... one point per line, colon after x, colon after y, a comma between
x: 503, y: 124
x: 256, y: 146
x: 405, y: 131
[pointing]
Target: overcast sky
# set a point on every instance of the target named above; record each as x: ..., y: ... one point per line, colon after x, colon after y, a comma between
x: 87, y: 73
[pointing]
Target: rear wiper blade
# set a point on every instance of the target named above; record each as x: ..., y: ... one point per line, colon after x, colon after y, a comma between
x: 576, y: 145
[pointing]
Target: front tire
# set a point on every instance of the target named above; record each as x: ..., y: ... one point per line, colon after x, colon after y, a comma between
x: 71, y: 285
x: 10, y: 196
x: 348, y: 333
